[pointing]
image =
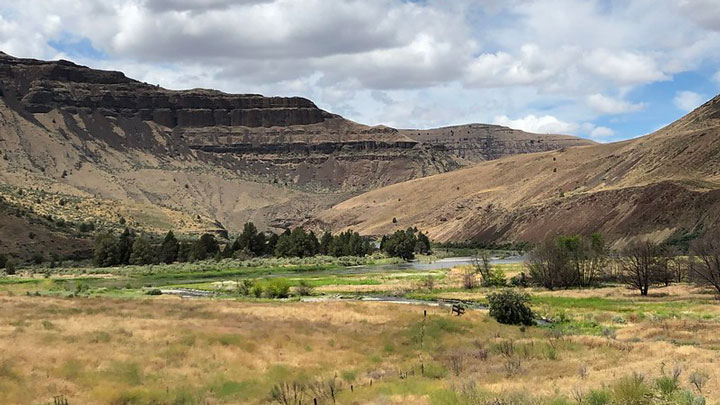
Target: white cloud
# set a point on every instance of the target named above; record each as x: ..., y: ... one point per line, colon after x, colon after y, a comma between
x: 608, y: 105
x: 688, y: 100
x: 443, y: 61
x: 716, y: 77
x: 601, y: 132
x: 546, y: 124
x: 624, y: 67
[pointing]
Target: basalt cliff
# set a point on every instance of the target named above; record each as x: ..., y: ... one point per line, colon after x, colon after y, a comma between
x: 85, y: 145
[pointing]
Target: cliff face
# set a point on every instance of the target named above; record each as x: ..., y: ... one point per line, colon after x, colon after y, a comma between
x: 481, y: 142
x: 42, y: 86
x: 198, y: 159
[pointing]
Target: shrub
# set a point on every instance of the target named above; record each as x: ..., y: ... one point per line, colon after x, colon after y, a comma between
x: 666, y: 385
x: 154, y: 291
x: 632, y: 390
x: 245, y: 287
x: 496, y: 279
x: 597, y: 397
x: 435, y: 370
x: 303, y: 288
x: 428, y: 283
x: 277, y: 288
x: 469, y: 280
x: 510, y: 307
x: 698, y: 379
x: 10, y: 267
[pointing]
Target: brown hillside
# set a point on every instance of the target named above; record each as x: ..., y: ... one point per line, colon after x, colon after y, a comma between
x: 661, y: 185
x: 199, y: 160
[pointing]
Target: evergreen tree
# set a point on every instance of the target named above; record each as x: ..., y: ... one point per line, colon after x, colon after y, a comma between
x: 105, y: 253
x: 284, y: 246
x: 142, y: 252
x: 260, y: 244
x: 423, y: 244
x: 206, y: 246
x: 124, y: 247
x: 355, y: 244
x: 184, y: 252
x: 169, y: 249
x: 325, y: 242
x: 248, y: 240
x: 270, y: 245
x: 210, y: 244
x: 312, y: 244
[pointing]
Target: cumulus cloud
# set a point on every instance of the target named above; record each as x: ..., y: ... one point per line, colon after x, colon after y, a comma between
x: 546, y: 124
x: 608, y: 105
x: 623, y: 67
x: 500, y: 58
x: 688, y: 100
x: 601, y: 132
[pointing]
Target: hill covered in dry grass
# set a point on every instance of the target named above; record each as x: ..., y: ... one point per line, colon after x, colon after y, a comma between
x: 665, y: 185
x: 202, y: 160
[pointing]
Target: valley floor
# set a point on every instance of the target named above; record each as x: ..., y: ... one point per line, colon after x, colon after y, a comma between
x: 107, y: 342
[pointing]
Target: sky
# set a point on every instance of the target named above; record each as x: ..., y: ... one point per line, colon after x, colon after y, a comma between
x: 602, y: 69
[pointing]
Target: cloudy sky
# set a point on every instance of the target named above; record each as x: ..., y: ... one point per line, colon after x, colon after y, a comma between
x: 603, y: 69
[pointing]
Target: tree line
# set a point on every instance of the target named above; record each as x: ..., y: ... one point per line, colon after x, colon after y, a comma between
x: 580, y: 261
x: 138, y: 249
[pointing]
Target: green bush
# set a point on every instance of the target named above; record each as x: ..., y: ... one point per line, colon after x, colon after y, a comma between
x: 597, y: 397
x: 632, y: 390
x: 10, y: 267
x: 510, y: 307
x: 154, y: 291
x: 667, y: 385
x: 435, y: 370
x: 496, y: 279
x: 277, y: 288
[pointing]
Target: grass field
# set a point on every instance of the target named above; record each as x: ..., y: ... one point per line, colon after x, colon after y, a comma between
x: 98, y: 338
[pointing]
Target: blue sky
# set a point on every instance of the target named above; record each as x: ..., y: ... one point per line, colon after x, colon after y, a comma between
x: 603, y: 69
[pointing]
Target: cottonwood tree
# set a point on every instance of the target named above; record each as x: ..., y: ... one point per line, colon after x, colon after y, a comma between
x: 640, y: 265
x: 481, y: 262
x: 705, y: 266
x: 548, y: 267
x: 568, y: 261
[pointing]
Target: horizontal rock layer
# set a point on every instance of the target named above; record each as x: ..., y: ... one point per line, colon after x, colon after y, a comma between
x: 41, y: 86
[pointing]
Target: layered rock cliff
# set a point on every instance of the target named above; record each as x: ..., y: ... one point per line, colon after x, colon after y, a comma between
x: 194, y: 159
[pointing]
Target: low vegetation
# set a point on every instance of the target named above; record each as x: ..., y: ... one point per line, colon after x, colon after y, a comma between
x: 88, y: 336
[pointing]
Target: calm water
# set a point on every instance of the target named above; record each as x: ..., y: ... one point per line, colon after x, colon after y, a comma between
x: 418, y: 266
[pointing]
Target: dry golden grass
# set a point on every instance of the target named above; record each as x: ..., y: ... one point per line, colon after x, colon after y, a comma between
x: 170, y: 350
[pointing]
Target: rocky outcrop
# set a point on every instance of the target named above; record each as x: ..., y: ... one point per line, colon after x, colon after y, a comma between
x: 209, y: 155
x: 481, y: 142
x: 41, y: 86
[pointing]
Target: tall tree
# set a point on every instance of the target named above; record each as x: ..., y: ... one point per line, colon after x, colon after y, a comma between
x: 184, y: 252
x: 705, y: 263
x: 125, y: 246
x: 142, y: 252
x: 325, y: 242
x: 206, y: 246
x: 640, y: 265
x: 169, y: 249
x: 105, y: 253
